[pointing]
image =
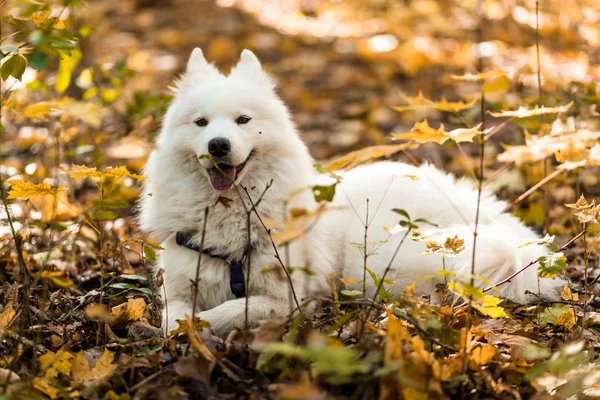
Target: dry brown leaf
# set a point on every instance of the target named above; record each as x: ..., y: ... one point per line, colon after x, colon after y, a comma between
x: 6, y: 316
x: 361, y: 156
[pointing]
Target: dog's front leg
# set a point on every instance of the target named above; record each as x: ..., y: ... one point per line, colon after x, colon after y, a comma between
x: 231, y: 314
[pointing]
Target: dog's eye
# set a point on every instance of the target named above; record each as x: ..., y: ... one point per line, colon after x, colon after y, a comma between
x: 201, y: 122
x: 242, y: 120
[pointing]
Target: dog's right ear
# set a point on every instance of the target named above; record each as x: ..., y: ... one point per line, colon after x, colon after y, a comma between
x: 197, y: 64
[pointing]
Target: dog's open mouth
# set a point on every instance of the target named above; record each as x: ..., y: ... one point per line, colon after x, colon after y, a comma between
x: 223, y: 175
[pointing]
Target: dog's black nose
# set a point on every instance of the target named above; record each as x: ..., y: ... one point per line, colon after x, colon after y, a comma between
x: 219, y: 147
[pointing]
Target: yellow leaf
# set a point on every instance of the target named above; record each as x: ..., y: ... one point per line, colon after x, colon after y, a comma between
x: 524, y: 112
x: 58, y: 278
x: 498, y: 84
x: 413, y: 394
x: 65, y: 68
x: 81, y: 171
x: 87, y: 112
x: 566, y: 319
x: 581, y: 204
x: 25, y: 190
x: 197, y: 343
x: 183, y: 326
x: 42, y: 109
x: 482, y: 76
x: 567, y: 294
x: 355, y: 158
x: 483, y: 355
x: 121, y: 171
x: 45, y: 386
x: 133, y: 310
x: 104, y: 368
x: 6, y: 316
x: 39, y: 17
x: 99, y: 312
x: 295, y: 226
x: 421, y: 103
x: 423, y: 133
x: 348, y: 281
x: 54, y: 363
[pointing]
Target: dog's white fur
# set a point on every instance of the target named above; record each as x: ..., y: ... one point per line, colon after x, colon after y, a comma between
x: 178, y: 190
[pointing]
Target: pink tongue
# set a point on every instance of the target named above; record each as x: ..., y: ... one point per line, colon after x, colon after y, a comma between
x: 222, y: 180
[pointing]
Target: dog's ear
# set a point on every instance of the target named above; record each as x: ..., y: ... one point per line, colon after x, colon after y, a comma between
x: 250, y: 67
x: 198, y: 67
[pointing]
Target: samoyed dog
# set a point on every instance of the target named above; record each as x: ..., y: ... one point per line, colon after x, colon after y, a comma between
x: 228, y: 150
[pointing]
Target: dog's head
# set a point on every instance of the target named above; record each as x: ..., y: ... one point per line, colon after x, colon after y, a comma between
x: 226, y: 121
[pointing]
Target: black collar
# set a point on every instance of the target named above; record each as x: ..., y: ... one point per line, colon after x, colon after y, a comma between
x: 236, y: 279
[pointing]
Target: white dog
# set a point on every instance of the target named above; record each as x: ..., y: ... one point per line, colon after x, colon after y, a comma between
x: 225, y: 138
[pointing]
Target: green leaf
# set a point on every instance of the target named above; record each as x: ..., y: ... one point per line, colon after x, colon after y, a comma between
x: 324, y: 193
x: 133, y: 277
x: 14, y: 66
x: 111, y: 203
x: 123, y: 286
x: 351, y: 293
x: 551, y: 265
x: 149, y: 253
x: 104, y: 215
x: 401, y: 212
x: 39, y: 60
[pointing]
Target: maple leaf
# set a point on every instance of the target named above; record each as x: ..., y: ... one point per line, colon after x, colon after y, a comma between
x: 482, y: 355
x: 421, y: 103
x: 524, y: 112
x: 566, y: 319
x: 358, y: 157
x: 133, y: 310
x: 26, y: 190
x: 423, y: 133
x: 53, y: 364
x: 82, y: 371
x: 82, y: 171
x: 183, y: 327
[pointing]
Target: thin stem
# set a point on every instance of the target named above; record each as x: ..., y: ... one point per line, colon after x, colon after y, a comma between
x: 502, y: 282
x: 382, y: 279
x: 197, y: 278
x: 533, y: 189
x: 277, y: 256
x: 365, y: 255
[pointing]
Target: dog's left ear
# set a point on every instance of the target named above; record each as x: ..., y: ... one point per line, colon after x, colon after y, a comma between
x: 250, y: 67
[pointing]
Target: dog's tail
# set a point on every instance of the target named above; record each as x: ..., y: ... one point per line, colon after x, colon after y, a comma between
x: 501, y: 251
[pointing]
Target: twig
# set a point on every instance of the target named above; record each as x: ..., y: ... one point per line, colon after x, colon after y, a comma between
x: 382, y: 279
x: 18, y: 246
x: 502, y: 282
x: 365, y: 251
x: 533, y: 189
x: 277, y: 256
x: 197, y: 278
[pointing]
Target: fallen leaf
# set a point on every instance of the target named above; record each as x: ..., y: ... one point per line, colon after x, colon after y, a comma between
x: 423, y: 133
x: 524, y: 112
x: 361, y: 156
x: 104, y: 368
